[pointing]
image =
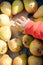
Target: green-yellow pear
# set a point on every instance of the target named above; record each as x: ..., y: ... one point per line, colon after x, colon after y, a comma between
x: 33, y: 60
x: 36, y: 47
x: 27, y: 39
x: 20, y: 60
x: 17, y: 7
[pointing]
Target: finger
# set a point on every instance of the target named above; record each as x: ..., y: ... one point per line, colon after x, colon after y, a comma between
x: 23, y: 18
x: 19, y: 21
x: 18, y: 24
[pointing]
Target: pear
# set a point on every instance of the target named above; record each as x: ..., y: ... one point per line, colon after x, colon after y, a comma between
x: 27, y: 39
x: 3, y: 47
x: 38, y: 19
x: 17, y: 7
x: 5, y: 33
x: 15, y: 45
x: 4, y: 20
x: 36, y: 47
x: 30, y: 5
x: 20, y: 60
x: 5, y: 60
x: 33, y: 60
x: 39, y: 12
x: 6, y: 8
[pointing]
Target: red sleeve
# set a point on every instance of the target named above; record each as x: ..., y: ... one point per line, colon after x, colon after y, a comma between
x: 35, y: 29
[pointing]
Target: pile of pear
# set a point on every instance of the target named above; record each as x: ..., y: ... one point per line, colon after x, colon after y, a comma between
x: 18, y: 6
x: 31, y: 6
x: 11, y: 9
x: 15, y: 44
x: 5, y: 32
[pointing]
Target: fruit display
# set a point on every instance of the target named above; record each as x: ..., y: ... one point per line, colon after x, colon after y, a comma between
x: 5, y: 33
x: 20, y: 60
x: 6, y: 8
x: 26, y: 39
x: 21, y: 32
x: 30, y: 5
x: 36, y: 47
x: 17, y: 7
x: 4, y: 20
x: 3, y: 47
x: 32, y: 60
x: 6, y: 60
x: 15, y: 45
x: 39, y: 12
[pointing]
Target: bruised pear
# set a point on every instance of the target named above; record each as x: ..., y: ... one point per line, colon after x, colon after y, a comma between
x: 17, y: 7
x: 4, y: 20
x: 6, y: 8
x: 20, y: 60
x: 36, y: 47
x: 33, y: 60
x: 38, y: 19
x: 15, y: 45
x: 30, y: 5
x: 39, y: 12
x: 3, y: 47
x: 5, y: 60
x: 27, y: 39
x: 5, y: 33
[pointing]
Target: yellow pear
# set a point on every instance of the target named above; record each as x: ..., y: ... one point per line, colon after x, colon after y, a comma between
x: 39, y: 12
x: 30, y: 5
x: 15, y: 45
x: 4, y: 20
x: 5, y: 60
x: 38, y: 19
x: 5, y: 33
x: 6, y: 8
x: 3, y: 47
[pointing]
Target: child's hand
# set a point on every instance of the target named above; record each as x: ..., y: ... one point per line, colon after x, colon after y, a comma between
x: 22, y: 21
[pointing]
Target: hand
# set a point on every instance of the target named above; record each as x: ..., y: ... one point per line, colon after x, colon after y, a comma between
x: 22, y: 21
